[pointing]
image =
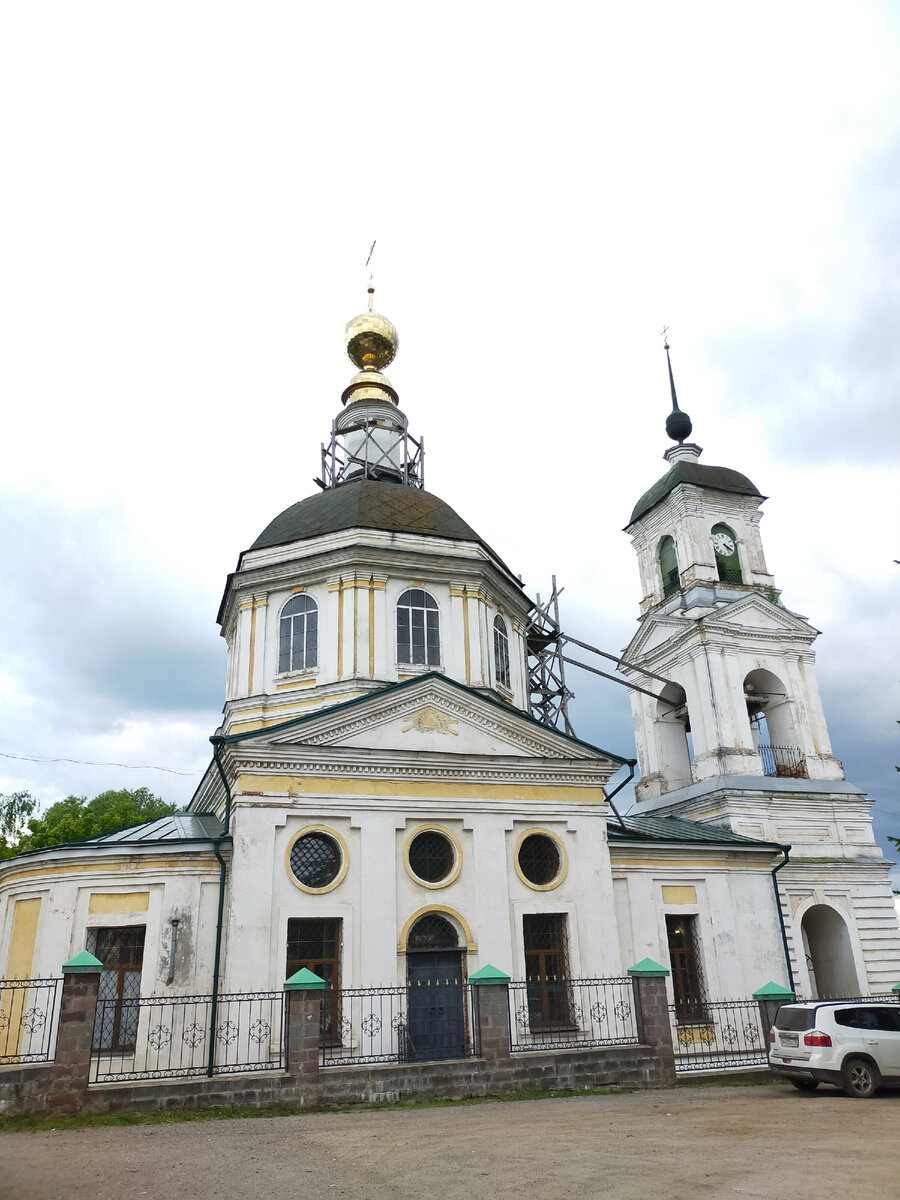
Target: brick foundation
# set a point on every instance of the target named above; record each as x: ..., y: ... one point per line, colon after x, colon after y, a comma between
x: 62, y: 1086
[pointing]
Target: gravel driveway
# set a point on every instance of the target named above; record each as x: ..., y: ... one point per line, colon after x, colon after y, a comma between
x: 683, y: 1144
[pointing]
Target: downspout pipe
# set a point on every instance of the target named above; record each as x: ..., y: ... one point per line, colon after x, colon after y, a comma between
x: 785, y: 850
x: 220, y: 915
x: 630, y: 763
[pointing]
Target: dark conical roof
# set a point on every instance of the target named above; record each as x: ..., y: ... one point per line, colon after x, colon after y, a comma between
x: 720, y: 479
x: 369, y: 504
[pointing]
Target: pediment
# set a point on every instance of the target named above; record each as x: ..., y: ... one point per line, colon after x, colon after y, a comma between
x: 750, y: 616
x: 433, y: 715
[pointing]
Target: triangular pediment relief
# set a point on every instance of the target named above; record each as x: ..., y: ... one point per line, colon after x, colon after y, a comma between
x: 433, y: 715
x: 754, y: 612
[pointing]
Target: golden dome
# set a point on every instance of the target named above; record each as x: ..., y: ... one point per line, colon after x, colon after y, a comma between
x: 371, y: 341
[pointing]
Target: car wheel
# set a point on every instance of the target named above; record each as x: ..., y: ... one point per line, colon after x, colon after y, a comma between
x: 805, y: 1085
x: 861, y: 1079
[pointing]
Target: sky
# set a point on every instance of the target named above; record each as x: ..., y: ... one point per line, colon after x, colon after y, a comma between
x: 191, y: 190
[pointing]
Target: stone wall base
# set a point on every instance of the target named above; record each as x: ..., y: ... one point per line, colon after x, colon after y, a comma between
x: 24, y: 1090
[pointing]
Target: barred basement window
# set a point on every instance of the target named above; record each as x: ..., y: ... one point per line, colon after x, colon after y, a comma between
x: 546, y: 969
x: 315, y: 860
x: 121, y: 950
x: 418, y: 629
x: 501, y: 652
x: 298, y: 634
x: 316, y: 945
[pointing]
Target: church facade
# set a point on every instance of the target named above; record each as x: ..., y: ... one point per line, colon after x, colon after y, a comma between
x: 382, y: 806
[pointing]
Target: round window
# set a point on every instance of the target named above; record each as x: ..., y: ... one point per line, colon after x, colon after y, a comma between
x: 315, y: 860
x: 431, y: 856
x: 539, y: 859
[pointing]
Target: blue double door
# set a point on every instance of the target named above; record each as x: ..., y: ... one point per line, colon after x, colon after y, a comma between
x: 436, y: 1011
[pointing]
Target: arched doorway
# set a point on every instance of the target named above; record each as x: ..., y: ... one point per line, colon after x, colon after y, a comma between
x: 435, y: 974
x: 829, y: 954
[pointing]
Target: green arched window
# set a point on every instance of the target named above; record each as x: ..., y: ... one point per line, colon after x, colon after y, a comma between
x: 726, y: 552
x: 668, y: 565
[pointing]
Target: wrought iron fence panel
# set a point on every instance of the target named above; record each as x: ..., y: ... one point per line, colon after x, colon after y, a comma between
x: 717, y: 1035
x: 174, y: 1036
x: 552, y: 1012
x: 29, y: 1016
x: 372, y: 1025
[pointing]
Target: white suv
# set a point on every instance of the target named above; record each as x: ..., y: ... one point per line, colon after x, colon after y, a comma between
x: 852, y: 1044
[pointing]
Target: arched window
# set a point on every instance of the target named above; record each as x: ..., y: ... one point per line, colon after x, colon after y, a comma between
x: 501, y: 651
x: 418, y: 629
x: 668, y: 565
x: 298, y: 634
x: 726, y: 551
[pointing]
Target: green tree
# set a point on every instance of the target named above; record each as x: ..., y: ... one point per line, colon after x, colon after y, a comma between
x: 77, y: 817
x: 15, y: 810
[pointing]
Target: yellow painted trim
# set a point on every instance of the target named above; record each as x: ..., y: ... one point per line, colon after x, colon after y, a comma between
x: 669, y: 863
x: 355, y: 626
x: 340, y: 636
x: 93, y: 866
x: 345, y: 859
x: 563, y: 860
x: 24, y: 937
x: 301, y: 588
x: 118, y: 902
x: 457, y: 855
x: 13, y: 1001
x: 297, y: 683
x: 444, y: 911
x: 679, y: 894
x: 371, y: 628
x: 397, y: 788
x: 465, y: 601
x: 252, y: 662
x: 418, y: 583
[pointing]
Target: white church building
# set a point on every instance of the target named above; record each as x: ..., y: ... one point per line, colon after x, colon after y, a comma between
x: 382, y: 805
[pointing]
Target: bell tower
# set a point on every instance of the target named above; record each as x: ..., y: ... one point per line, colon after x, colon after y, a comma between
x: 743, y: 698
x: 732, y: 732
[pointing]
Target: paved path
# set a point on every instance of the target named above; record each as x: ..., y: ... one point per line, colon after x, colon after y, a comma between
x: 685, y: 1144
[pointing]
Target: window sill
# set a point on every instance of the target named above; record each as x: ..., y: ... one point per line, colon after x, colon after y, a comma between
x: 409, y: 669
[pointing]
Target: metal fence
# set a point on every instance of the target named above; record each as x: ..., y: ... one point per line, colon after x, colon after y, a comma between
x: 551, y: 1012
x: 711, y: 1035
x: 424, y: 1022
x: 29, y: 1013
x: 163, y: 1037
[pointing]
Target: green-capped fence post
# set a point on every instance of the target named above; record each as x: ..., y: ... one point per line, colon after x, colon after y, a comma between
x: 648, y: 979
x: 770, y: 997
x: 490, y: 1000
x: 67, y: 1087
x: 304, y: 994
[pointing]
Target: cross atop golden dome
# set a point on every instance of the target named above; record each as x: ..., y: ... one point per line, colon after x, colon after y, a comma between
x: 371, y: 339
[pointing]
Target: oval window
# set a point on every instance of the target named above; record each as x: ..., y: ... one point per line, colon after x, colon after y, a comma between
x: 315, y: 860
x: 539, y: 859
x: 431, y: 856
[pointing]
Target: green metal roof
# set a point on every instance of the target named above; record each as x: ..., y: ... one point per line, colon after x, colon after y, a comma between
x: 172, y: 830
x: 369, y: 504
x: 720, y: 479
x: 675, y: 829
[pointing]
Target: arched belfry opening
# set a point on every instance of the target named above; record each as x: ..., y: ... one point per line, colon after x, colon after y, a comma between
x: 772, y: 725
x: 829, y: 953
x: 435, y: 974
x: 668, y: 566
x: 673, y: 725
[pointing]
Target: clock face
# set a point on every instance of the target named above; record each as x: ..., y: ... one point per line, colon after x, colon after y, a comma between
x: 723, y: 545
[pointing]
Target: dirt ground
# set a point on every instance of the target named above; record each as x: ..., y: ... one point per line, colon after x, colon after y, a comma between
x: 684, y: 1144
